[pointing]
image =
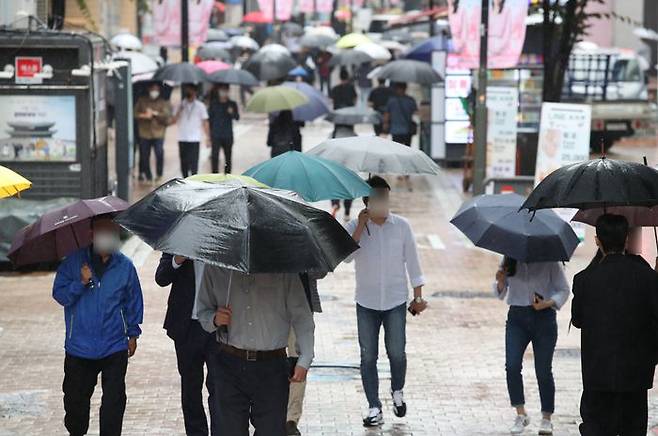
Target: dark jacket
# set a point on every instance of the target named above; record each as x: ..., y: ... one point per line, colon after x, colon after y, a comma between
x: 615, y: 304
x: 283, y: 134
x: 181, y: 297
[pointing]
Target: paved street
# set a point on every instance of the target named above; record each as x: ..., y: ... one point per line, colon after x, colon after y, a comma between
x: 456, y: 378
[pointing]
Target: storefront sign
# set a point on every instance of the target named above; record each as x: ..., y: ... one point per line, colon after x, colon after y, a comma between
x: 502, y: 109
x: 26, y: 68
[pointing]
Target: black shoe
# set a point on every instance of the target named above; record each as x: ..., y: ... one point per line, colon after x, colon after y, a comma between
x: 399, y: 406
x: 374, y: 418
x: 291, y: 429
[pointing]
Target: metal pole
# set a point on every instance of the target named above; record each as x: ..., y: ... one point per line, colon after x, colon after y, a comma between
x: 184, y: 31
x: 351, y: 15
x: 431, y: 18
x: 480, y: 133
x: 274, y: 20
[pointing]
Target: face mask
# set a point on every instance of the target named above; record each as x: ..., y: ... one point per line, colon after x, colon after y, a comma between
x: 106, y: 242
x: 379, y: 208
x: 154, y: 94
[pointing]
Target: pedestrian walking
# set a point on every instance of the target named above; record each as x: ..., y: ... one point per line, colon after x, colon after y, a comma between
x: 192, y: 343
x: 324, y: 70
x: 152, y: 113
x: 222, y: 111
x: 534, y: 292
x: 398, y: 118
x: 364, y: 82
x: 103, y: 308
x: 283, y: 134
x: 378, y: 100
x: 192, y: 119
x: 387, y: 254
x: 615, y: 304
x: 251, y: 315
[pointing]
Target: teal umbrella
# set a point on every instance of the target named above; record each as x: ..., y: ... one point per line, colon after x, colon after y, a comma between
x: 312, y: 177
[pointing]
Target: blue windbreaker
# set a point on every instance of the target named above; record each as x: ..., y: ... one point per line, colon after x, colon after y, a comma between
x: 99, y: 320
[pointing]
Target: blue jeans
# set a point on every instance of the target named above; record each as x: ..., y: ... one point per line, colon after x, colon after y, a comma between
x: 369, y: 323
x: 525, y: 325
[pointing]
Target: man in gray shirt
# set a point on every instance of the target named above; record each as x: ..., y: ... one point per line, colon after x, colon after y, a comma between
x: 252, y: 315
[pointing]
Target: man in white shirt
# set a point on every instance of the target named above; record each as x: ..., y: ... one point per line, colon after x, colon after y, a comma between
x: 387, y: 254
x: 192, y: 119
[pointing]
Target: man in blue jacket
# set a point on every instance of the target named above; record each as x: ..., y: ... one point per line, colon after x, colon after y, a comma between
x: 99, y: 289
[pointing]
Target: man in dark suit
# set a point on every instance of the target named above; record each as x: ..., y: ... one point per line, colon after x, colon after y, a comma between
x: 193, y: 344
x: 615, y: 304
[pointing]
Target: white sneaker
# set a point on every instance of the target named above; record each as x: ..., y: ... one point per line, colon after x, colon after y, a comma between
x: 375, y: 418
x: 520, y: 423
x: 546, y: 427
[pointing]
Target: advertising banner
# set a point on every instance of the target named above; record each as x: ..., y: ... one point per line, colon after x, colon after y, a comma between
x: 502, y: 109
x: 283, y: 8
x: 506, y: 32
x: 166, y: 20
x: 38, y: 128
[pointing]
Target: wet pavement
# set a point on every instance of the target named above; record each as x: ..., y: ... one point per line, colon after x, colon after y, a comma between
x: 456, y: 377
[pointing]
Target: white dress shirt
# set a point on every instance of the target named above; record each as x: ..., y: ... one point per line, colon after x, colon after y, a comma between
x: 387, y: 254
x: 190, y: 121
x: 544, y: 278
x: 198, y: 276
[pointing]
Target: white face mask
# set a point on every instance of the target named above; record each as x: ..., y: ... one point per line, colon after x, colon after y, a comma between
x: 154, y: 94
x: 106, y: 242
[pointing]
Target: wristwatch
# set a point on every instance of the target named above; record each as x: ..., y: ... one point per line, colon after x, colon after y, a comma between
x: 419, y: 300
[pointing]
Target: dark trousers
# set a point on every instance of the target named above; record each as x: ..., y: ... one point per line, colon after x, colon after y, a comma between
x: 225, y: 144
x: 251, y: 391
x: 189, y: 157
x: 192, y: 353
x: 145, y: 146
x: 346, y: 203
x: 402, y: 139
x: 613, y: 413
x: 80, y: 377
x: 369, y: 323
x: 526, y: 325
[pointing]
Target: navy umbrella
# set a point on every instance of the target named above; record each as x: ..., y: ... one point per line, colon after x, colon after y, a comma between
x: 494, y: 222
x: 423, y: 51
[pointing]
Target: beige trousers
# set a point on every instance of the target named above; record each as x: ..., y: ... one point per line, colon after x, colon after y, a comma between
x: 297, y: 390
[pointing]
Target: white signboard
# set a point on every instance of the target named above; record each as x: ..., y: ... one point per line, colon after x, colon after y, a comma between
x: 502, y: 107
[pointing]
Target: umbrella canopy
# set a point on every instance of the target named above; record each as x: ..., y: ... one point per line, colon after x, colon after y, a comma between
x: 217, y: 35
x: 375, y: 51
x: 406, y: 70
x: 274, y: 49
x: 351, y: 40
x: 317, y: 105
x: 212, y: 66
x: 11, y: 183
x: 312, y: 177
x: 243, y: 228
x: 139, y: 62
x: 354, y: 115
x: 126, y: 41
x: 270, y: 65
x: 423, y: 52
x: 275, y: 98
x: 180, y: 73
x: 213, y: 51
x: 233, y: 76
x: 372, y: 154
x: 244, y: 42
x: 292, y: 29
x: 256, y: 17
x: 597, y: 183
x: 350, y: 58
x: 321, y: 30
x: 227, y: 178
x: 637, y: 216
x: 317, y: 40
x: 393, y: 45
x: 61, y: 231
x: 495, y: 223
x: 298, y: 71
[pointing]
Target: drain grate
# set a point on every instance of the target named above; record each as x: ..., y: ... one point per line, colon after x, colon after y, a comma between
x: 463, y: 295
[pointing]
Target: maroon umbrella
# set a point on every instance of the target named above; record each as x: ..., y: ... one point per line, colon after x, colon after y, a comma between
x: 637, y: 216
x: 61, y: 231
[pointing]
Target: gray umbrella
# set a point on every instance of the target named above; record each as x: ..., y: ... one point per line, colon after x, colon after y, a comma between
x: 217, y: 35
x: 350, y: 58
x: 354, y: 115
x: 270, y: 65
x: 494, y: 222
x: 233, y: 76
x: 372, y: 154
x: 183, y: 72
x: 316, y: 40
x: 211, y: 51
x: 407, y: 70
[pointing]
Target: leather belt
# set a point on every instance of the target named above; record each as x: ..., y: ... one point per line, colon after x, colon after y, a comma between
x: 253, y: 355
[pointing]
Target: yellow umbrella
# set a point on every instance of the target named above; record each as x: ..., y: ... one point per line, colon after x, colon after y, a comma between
x: 351, y: 40
x: 12, y: 183
x: 223, y: 178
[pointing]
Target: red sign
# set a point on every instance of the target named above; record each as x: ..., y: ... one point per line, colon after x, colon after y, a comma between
x: 27, y: 67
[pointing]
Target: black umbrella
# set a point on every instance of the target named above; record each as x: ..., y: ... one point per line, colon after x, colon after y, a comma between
x: 596, y: 183
x: 349, y: 58
x: 208, y: 52
x: 270, y: 65
x: 180, y: 73
x: 233, y: 76
x: 243, y: 228
x: 494, y: 222
x: 408, y: 71
x: 354, y: 115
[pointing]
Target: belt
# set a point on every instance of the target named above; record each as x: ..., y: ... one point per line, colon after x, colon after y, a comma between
x: 253, y: 355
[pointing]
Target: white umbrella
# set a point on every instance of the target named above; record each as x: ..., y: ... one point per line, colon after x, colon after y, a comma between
x: 321, y: 30
x: 126, y: 41
x: 245, y: 42
x: 139, y: 62
x: 376, y: 51
x: 274, y: 48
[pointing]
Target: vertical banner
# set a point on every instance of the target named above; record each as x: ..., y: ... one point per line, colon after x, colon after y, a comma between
x: 283, y: 8
x: 506, y: 33
x: 502, y: 107
x: 166, y: 19
x: 564, y: 133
